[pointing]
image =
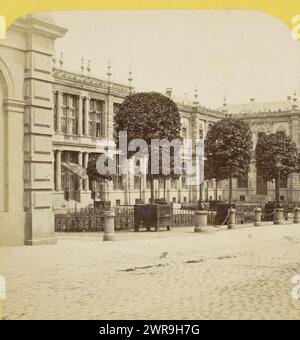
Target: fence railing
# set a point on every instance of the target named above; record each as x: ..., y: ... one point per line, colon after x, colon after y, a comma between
x: 182, y: 217
x: 91, y: 219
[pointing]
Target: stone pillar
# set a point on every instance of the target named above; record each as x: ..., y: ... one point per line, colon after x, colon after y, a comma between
x: 200, y: 220
x: 85, y: 165
x: 38, y: 153
x: 168, y: 190
x: 278, y: 216
x: 58, y: 170
x: 179, y: 183
x: 296, y: 215
x: 80, y: 110
x: 109, y: 226
x: 86, y: 115
x: 231, y: 219
x: 80, y: 162
x: 59, y: 111
x: 257, y: 217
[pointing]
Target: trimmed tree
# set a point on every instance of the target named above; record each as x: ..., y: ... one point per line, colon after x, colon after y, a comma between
x: 228, y: 150
x: 277, y: 157
x: 148, y: 116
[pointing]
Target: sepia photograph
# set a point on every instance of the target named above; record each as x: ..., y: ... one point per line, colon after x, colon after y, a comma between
x: 149, y: 168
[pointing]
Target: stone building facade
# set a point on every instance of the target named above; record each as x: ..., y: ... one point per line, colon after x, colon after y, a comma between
x: 51, y: 120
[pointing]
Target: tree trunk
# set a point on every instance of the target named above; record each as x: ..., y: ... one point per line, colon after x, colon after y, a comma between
x: 152, y: 190
x: 230, y: 190
x: 277, y: 190
x: 216, y: 192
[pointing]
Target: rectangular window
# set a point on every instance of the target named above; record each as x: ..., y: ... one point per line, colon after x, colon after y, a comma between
x: 184, y: 132
x: 261, y: 183
x: 69, y: 119
x: 173, y: 183
x: 137, y: 182
x: 242, y: 183
x: 283, y: 182
x: 95, y: 117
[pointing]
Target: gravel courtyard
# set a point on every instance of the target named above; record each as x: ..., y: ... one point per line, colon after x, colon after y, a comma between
x: 238, y: 274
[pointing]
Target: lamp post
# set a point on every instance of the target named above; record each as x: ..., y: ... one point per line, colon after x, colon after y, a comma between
x: 278, y: 167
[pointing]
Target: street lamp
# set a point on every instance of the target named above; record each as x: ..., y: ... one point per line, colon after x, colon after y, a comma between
x: 278, y: 167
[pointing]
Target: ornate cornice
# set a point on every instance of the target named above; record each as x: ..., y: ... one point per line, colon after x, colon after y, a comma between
x: 79, y: 80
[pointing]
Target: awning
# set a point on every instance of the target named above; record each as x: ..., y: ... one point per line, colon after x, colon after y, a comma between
x: 76, y: 169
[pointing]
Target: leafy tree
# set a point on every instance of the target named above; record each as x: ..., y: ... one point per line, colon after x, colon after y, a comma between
x: 277, y: 157
x: 228, y: 150
x: 148, y: 116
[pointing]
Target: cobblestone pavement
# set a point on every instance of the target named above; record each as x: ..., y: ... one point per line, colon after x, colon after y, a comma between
x: 239, y: 274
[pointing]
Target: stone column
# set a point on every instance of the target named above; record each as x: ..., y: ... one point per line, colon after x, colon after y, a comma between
x: 59, y: 111
x: 58, y: 170
x: 168, y: 189
x: 86, y: 115
x: 85, y: 164
x: 80, y: 109
x: 80, y: 162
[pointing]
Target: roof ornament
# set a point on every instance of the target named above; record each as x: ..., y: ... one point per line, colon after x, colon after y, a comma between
x: 225, y: 110
x: 54, y: 60
x: 130, y: 79
x: 82, y: 65
x: 196, y: 102
x: 61, y: 60
x: 89, y: 67
x: 295, y: 105
x: 109, y: 72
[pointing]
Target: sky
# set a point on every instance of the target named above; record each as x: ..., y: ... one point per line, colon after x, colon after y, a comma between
x: 232, y: 53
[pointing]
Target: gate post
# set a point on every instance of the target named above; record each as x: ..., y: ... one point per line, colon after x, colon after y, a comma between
x: 231, y: 218
x: 109, y: 226
x: 278, y: 216
x: 257, y: 217
x: 296, y: 215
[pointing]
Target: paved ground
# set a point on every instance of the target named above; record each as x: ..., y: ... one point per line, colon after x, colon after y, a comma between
x: 244, y: 273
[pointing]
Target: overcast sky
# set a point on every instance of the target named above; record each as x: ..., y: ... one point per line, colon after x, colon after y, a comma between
x: 240, y: 54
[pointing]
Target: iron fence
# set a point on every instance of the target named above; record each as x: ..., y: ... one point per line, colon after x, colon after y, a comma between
x: 91, y: 219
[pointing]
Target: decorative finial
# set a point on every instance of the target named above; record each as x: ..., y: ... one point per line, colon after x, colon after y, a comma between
x: 89, y: 67
x: 61, y: 60
x: 196, y: 103
x: 225, y: 106
x: 109, y: 73
x: 54, y: 60
x: 295, y: 105
x: 82, y: 65
x: 130, y: 78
